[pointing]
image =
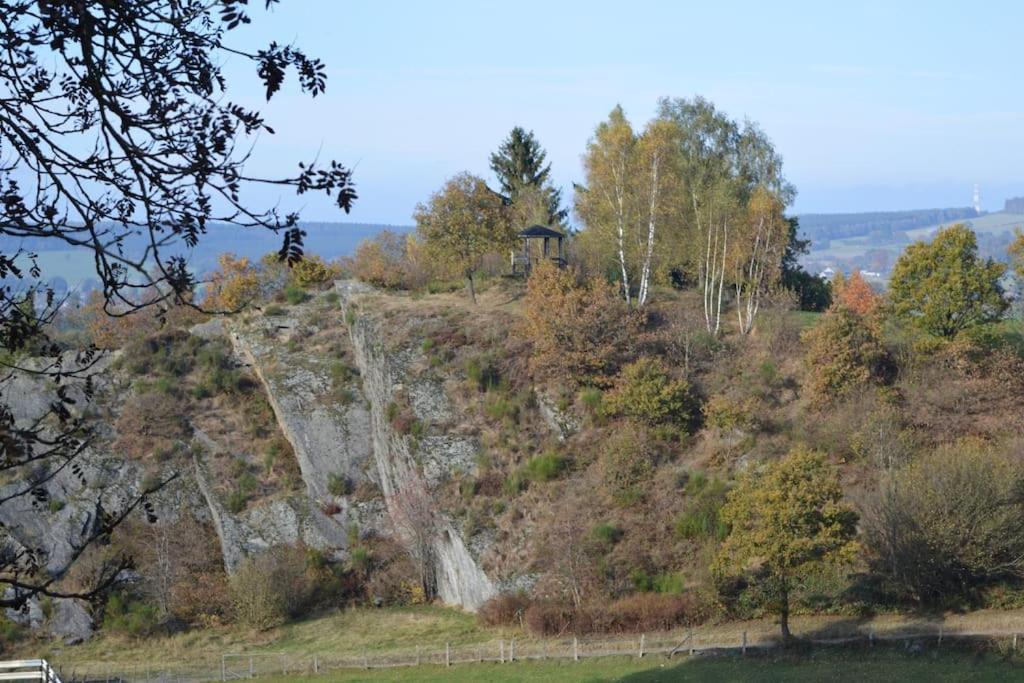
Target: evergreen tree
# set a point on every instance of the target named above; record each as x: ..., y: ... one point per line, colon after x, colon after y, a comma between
x: 519, y: 164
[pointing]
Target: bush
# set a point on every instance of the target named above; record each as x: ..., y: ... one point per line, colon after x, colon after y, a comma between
x: 130, y: 617
x: 381, y: 261
x: 545, y: 467
x: 483, y: 374
x: 498, y: 407
x: 506, y: 609
x: 274, y: 310
x: 949, y: 524
x: 339, y: 484
x: 844, y: 352
x: 312, y: 271
x: 607, y: 533
x: 638, y: 613
x: 593, y: 334
x: 645, y: 392
x: 722, y: 413
x: 295, y: 295
x: 627, y: 462
x: 701, y: 517
x: 269, y: 588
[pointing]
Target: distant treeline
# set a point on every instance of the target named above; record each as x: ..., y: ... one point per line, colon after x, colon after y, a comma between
x: 820, y: 227
x: 1014, y: 205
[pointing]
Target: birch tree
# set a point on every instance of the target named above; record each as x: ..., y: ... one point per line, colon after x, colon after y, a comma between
x: 605, y: 205
x: 657, y: 192
x: 758, y: 260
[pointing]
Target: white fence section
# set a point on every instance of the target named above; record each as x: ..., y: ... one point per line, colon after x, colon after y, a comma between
x: 28, y: 670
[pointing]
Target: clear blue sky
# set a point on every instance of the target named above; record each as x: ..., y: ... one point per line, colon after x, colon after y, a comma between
x: 873, y: 105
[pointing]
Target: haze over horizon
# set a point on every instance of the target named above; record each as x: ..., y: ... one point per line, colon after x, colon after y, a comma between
x: 874, y: 107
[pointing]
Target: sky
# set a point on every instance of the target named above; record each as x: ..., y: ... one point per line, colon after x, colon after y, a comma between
x: 873, y: 105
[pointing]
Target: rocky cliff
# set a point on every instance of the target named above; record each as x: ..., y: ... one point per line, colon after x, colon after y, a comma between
x: 405, y: 462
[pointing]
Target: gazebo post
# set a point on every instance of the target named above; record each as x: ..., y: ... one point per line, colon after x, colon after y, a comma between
x: 546, y: 241
x: 526, y: 255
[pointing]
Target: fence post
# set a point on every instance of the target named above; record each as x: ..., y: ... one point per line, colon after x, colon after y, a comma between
x: 512, y: 651
x: 641, y: 655
x: 575, y: 649
x: 871, y: 637
x: 223, y: 669
x: 691, y: 641
x: 366, y: 660
x: 501, y: 650
x: 250, y: 667
x: 316, y: 664
x: 1014, y: 642
x: 743, y: 648
x: 940, y: 636
x: 447, y: 654
x: 417, y: 655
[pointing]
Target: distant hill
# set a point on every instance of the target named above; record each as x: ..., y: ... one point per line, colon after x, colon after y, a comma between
x: 822, y: 227
x: 75, y: 266
x: 1014, y: 205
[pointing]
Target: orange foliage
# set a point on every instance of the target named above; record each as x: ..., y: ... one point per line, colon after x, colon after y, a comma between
x: 234, y: 284
x: 856, y: 295
x: 580, y: 333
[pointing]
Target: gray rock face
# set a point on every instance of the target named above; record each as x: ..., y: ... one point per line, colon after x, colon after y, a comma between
x: 460, y: 579
x: 329, y: 437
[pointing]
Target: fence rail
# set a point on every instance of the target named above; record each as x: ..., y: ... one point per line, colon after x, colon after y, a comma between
x: 242, y: 666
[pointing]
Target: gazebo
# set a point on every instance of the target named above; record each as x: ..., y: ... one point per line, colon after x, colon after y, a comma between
x: 523, y: 262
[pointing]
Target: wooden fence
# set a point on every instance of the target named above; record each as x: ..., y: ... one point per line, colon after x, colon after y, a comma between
x: 239, y: 666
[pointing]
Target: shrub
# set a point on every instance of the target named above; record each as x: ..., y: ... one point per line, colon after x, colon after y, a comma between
x: 949, y: 524
x: 499, y: 407
x: 722, y: 413
x: 645, y: 392
x: 381, y: 261
x: 627, y: 462
x: 514, y: 484
x: 545, y: 467
x: 130, y: 617
x: 339, y: 484
x: 312, y: 271
x: 591, y: 336
x: 483, y: 374
x: 269, y: 588
x: 549, y: 618
x: 844, y: 352
x: 607, y: 533
x: 506, y: 609
x: 295, y: 295
x: 274, y: 310
x: 701, y: 517
x: 591, y: 398
x: 646, y: 612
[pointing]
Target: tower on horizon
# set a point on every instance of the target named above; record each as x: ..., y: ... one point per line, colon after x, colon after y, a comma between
x: 976, y: 203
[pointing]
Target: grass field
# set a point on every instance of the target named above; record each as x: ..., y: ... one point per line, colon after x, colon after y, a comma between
x: 834, y: 665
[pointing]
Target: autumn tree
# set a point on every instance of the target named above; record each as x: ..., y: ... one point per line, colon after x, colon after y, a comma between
x: 234, y: 284
x: 605, y: 203
x: 943, y: 286
x: 580, y: 332
x: 723, y: 164
x: 417, y: 523
x: 785, y: 520
x: 462, y: 223
x: 758, y: 254
x: 844, y: 352
x: 525, y: 178
x: 856, y: 295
